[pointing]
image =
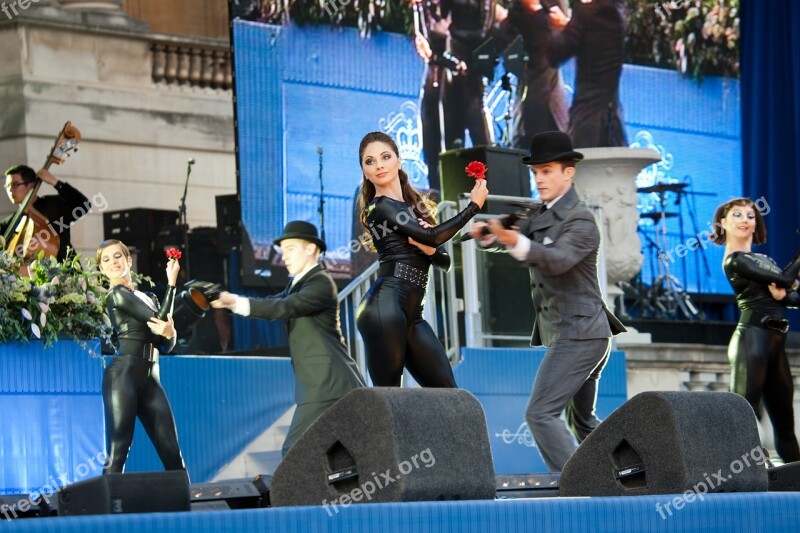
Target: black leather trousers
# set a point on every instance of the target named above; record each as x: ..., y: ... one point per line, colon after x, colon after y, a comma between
x: 390, y: 321
x: 760, y: 369
x: 131, y: 388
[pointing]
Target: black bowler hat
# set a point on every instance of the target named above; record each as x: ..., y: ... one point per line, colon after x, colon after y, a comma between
x: 299, y: 229
x: 551, y: 146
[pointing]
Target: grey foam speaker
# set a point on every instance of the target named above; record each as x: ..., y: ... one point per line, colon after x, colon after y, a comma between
x: 140, y: 492
x: 390, y: 445
x: 670, y: 443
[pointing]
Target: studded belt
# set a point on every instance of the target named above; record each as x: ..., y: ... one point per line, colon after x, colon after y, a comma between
x: 753, y: 318
x: 144, y: 351
x: 412, y: 274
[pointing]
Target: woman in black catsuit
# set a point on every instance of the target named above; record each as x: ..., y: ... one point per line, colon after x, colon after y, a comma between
x: 131, y: 383
x: 757, y: 351
x: 400, y: 222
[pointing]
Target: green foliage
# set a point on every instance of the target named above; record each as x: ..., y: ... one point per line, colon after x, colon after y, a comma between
x: 700, y: 38
x: 64, y: 299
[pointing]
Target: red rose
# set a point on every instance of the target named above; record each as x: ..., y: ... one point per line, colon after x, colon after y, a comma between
x: 174, y: 253
x: 476, y: 170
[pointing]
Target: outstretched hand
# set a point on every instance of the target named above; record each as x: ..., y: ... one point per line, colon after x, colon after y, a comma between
x: 225, y: 300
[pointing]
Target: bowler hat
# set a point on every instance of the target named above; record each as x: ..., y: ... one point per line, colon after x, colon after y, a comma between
x: 299, y: 229
x: 551, y: 146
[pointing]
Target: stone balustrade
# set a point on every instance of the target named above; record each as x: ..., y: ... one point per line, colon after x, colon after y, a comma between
x: 192, y: 64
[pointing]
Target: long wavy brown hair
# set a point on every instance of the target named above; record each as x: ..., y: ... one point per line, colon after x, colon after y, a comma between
x: 422, y: 206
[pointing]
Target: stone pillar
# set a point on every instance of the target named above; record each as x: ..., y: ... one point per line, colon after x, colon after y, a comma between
x: 607, y: 178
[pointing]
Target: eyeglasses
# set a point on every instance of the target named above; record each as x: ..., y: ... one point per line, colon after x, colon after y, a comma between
x: 14, y: 185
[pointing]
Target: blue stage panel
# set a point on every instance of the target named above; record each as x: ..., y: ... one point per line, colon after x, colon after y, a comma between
x: 502, y: 380
x: 220, y: 404
x: 53, y: 432
x: 53, y: 424
x: 742, y: 512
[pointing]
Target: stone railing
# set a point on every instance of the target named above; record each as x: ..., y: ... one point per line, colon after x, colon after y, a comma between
x: 192, y: 63
x: 693, y: 367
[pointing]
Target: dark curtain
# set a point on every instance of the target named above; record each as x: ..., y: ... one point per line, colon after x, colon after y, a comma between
x: 770, y: 89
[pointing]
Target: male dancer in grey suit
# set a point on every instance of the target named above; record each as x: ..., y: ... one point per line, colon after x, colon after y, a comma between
x: 324, y: 371
x: 559, y: 243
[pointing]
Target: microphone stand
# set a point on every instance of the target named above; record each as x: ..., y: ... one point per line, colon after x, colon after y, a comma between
x: 182, y: 219
x: 321, y: 199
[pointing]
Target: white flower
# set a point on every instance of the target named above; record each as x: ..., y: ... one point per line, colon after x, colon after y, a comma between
x: 35, y: 330
x: 27, y: 314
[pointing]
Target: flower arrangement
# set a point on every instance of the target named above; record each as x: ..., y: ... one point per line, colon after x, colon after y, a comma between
x: 64, y: 299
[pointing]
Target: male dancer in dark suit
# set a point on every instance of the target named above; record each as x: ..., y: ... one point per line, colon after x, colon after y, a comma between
x: 559, y: 243
x: 540, y: 105
x: 324, y: 371
x: 595, y: 36
x: 455, y: 28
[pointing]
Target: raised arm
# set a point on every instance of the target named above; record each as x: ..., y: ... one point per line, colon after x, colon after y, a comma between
x: 395, y: 217
x: 751, y: 267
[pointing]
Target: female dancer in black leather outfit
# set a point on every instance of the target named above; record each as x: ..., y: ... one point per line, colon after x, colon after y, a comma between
x: 131, y: 383
x: 757, y: 351
x: 400, y: 222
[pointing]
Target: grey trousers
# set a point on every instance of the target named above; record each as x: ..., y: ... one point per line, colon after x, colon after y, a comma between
x: 567, y: 379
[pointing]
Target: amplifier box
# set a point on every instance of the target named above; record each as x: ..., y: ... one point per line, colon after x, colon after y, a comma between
x: 138, y: 225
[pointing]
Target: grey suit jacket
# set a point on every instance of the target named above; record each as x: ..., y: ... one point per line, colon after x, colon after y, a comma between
x: 323, y: 369
x: 564, y: 279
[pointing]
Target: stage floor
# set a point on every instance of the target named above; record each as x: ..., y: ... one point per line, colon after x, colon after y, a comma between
x: 739, y: 512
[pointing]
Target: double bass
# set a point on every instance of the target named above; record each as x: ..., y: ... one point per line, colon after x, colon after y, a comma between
x: 29, y: 231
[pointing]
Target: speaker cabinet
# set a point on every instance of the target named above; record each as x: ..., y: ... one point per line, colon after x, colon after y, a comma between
x: 390, y: 445
x: 141, y: 492
x: 670, y: 443
x: 506, y: 175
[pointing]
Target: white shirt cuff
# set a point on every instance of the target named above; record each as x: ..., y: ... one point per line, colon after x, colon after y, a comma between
x: 521, y: 249
x: 242, y: 306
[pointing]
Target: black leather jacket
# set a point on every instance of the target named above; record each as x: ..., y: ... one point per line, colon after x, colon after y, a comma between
x: 392, y: 222
x: 750, y: 273
x: 129, y: 316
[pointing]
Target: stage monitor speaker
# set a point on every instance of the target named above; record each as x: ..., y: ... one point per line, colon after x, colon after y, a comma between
x: 141, y: 492
x: 506, y: 175
x: 502, y: 315
x: 137, y: 227
x: 390, y: 445
x: 229, y: 222
x: 670, y: 443
x: 23, y: 506
x: 785, y: 477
